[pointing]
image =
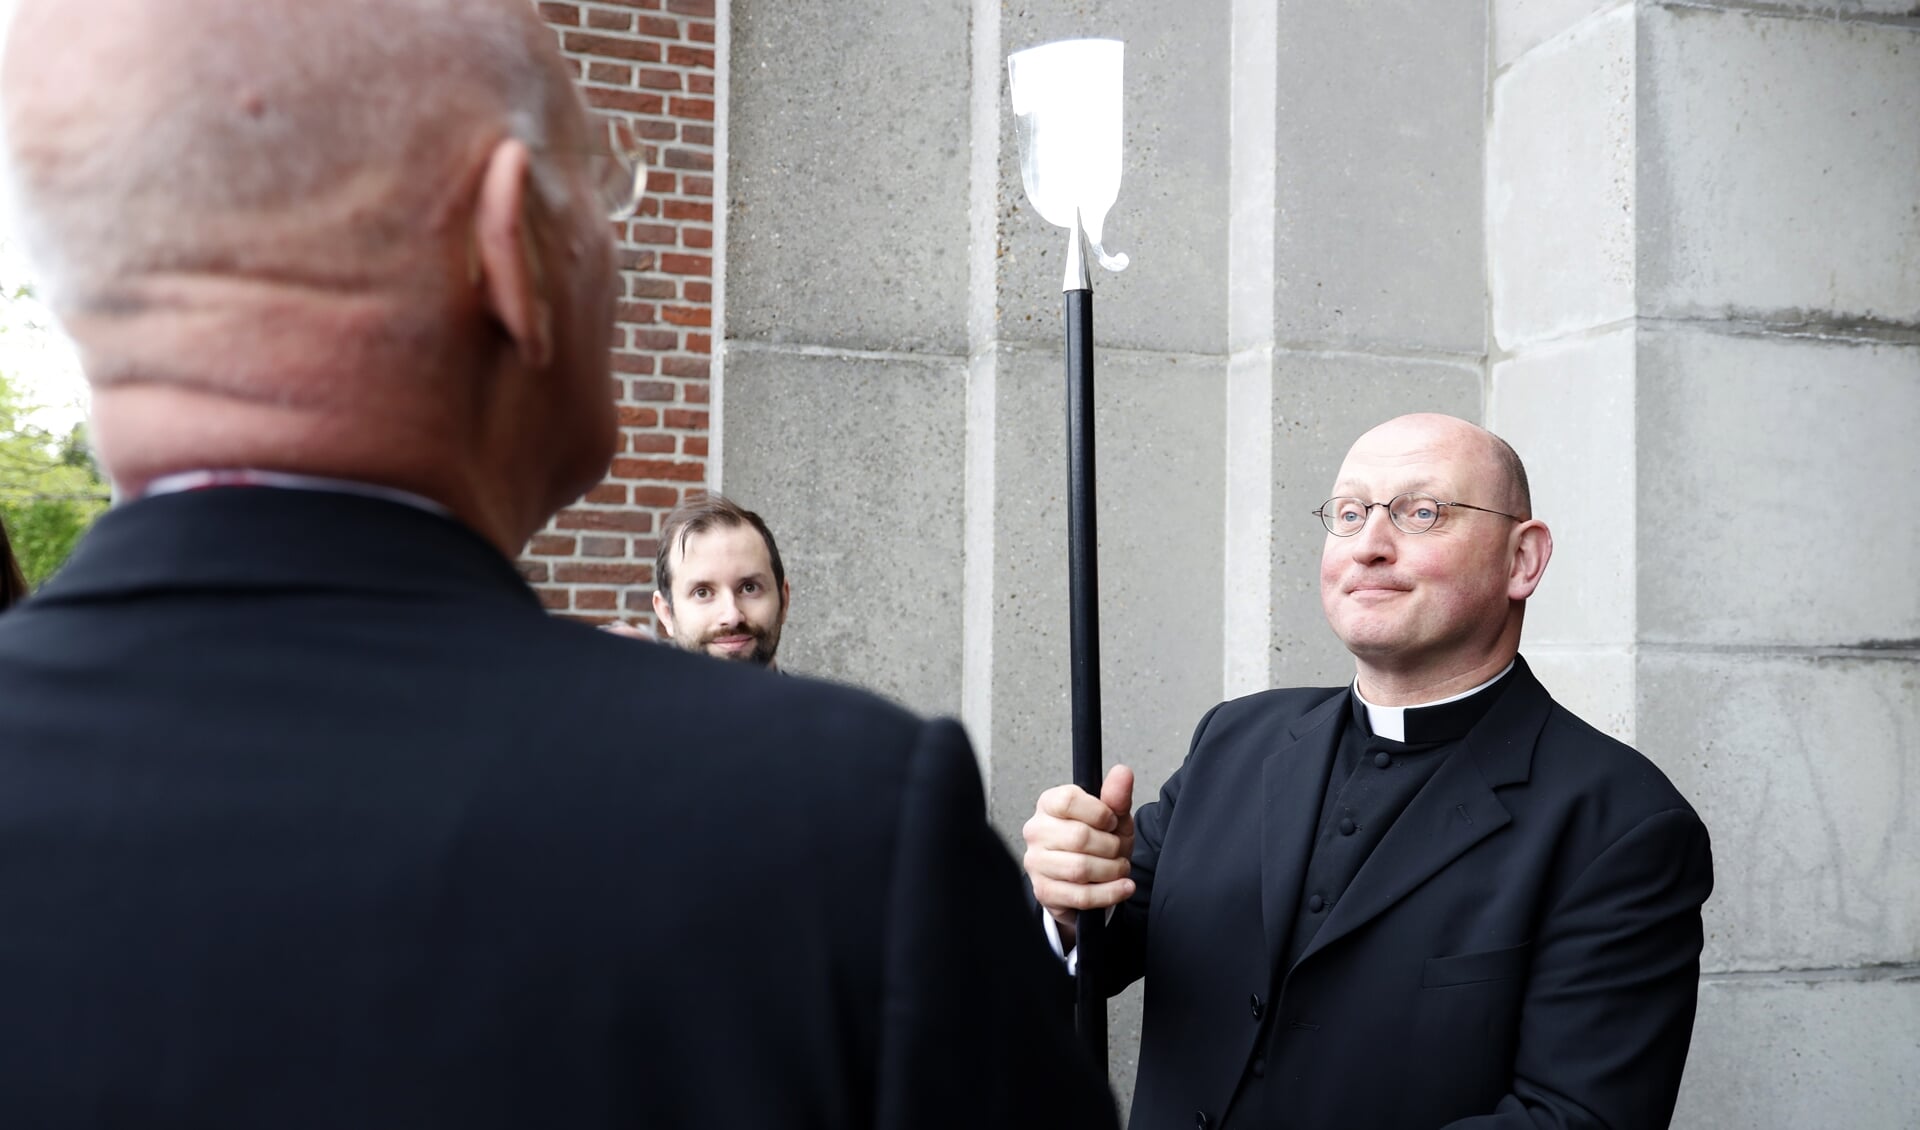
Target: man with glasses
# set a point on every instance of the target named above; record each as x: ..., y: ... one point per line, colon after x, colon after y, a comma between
x: 311, y: 816
x: 1432, y: 897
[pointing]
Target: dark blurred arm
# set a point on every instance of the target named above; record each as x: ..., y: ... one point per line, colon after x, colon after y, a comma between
x: 971, y: 1031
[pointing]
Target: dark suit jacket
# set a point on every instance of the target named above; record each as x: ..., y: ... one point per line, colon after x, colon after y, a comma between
x: 310, y: 816
x: 1521, y: 950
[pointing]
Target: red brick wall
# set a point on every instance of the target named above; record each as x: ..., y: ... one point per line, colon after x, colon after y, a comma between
x: 651, y: 61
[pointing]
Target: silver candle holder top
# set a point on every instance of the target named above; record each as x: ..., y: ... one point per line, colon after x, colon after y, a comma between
x: 1067, y: 96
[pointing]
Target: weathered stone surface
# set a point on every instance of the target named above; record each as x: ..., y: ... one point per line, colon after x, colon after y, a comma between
x: 1568, y: 409
x: 1807, y: 773
x: 1159, y: 431
x: 1789, y: 1054
x: 1171, y: 216
x: 1560, y: 185
x: 1764, y: 465
x: 847, y: 178
x: 1381, y: 117
x: 1520, y: 26
x: 856, y: 466
x: 1779, y: 168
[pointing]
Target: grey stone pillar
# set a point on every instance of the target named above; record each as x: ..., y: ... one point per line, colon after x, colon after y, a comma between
x: 1358, y: 284
x: 1671, y: 250
x: 893, y: 390
x: 841, y: 381
x: 1706, y: 282
x: 893, y: 387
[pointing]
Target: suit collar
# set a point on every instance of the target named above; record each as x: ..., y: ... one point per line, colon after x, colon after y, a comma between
x: 242, y: 539
x: 1456, y: 810
x: 1295, y: 780
x: 1447, y: 720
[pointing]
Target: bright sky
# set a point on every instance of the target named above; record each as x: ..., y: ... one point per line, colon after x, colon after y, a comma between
x: 36, y: 357
x: 34, y: 354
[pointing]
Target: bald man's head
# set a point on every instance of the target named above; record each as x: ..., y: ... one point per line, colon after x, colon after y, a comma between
x: 284, y: 137
x: 353, y: 238
x: 1492, y: 462
x: 1433, y: 609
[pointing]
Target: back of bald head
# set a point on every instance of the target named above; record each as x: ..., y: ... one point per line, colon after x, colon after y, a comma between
x: 1512, y: 476
x: 314, y: 141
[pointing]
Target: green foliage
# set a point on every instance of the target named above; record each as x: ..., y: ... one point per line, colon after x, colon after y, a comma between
x: 50, y: 490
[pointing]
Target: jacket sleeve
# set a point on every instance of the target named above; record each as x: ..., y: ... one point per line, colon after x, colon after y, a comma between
x: 970, y: 1031
x: 1608, y: 1012
x: 1126, y: 934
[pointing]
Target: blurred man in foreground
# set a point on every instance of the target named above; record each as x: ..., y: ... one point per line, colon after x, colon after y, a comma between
x: 309, y: 816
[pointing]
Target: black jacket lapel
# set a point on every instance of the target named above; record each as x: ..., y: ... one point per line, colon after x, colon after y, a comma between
x: 1295, y: 778
x: 1456, y: 810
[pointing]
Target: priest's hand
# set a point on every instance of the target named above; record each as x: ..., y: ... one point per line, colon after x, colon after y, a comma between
x: 1079, y: 849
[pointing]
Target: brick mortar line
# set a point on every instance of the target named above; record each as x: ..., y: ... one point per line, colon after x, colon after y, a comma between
x: 634, y: 64
x: 635, y: 88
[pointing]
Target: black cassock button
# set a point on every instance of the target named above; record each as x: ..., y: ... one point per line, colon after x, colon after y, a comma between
x: 1254, y: 1006
x: 1316, y: 904
x: 1347, y: 825
x: 1383, y: 759
x: 1201, y: 1121
x: 1260, y: 1068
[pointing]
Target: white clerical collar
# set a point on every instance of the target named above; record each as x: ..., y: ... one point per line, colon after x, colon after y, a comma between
x: 1390, y: 722
x: 282, y: 480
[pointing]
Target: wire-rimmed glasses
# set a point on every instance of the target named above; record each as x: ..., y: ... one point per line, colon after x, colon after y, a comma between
x: 616, y: 165
x: 1411, y: 513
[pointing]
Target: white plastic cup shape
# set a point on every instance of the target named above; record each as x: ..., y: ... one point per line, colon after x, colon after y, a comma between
x: 1067, y: 96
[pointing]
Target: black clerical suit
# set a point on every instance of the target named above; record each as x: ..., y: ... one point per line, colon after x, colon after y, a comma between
x: 1495, y: 924
x: 311, y: 817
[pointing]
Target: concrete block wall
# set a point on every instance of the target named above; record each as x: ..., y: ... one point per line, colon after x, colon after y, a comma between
x: 888, y: 285
x: 1357, y: 288
x: 1671, y: 250
x: 1705, y: 273
x: 844, y: 346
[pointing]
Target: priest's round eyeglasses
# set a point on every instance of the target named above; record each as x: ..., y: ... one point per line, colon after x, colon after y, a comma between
x: 1411, y: 513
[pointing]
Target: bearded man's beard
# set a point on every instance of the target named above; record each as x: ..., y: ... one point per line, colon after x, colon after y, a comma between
x: 765, y: 644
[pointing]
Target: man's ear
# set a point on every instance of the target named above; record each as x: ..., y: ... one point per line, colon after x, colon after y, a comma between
x: 663, y: 612
x: 1532, y: 546
x: 786, y: 600
x: 506, y: 258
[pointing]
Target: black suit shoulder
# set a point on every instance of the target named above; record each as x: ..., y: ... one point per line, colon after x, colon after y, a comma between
x: 1283, y: 702
x: 1255, y: 721
x: 457, y: 862
x: 1576, y: 755
x: 1597, y: 789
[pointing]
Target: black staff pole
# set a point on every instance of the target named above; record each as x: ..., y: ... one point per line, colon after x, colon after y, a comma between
x: 1083, y: 568
x: 1067, y: 95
